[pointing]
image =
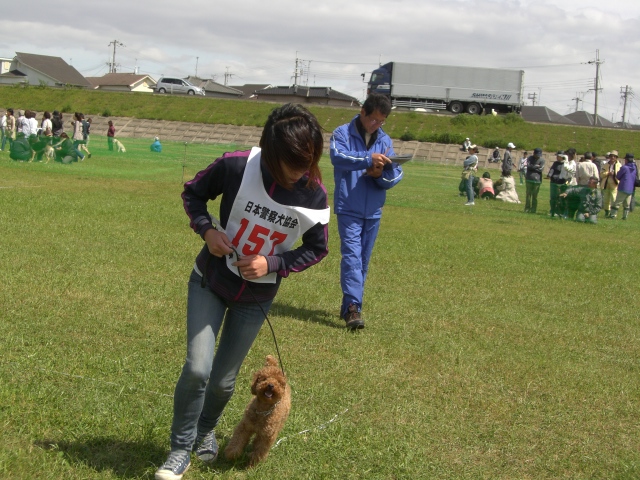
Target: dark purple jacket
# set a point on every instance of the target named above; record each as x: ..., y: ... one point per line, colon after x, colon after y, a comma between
x: 627, y: 177
x: 222, y: 179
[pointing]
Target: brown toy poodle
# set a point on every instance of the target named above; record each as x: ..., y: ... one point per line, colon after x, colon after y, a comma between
x: 265, y: 415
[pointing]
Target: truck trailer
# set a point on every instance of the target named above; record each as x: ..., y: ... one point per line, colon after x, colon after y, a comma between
x: 457, y: 89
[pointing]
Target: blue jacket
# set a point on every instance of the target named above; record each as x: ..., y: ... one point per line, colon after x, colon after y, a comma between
x: 156, y: 146
x: 355, y: 193
x: 627, y: 177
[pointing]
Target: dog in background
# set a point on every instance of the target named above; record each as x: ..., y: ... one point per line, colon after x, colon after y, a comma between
x: 119, y: 146
x: 265, y: 415
x: 49, y: 153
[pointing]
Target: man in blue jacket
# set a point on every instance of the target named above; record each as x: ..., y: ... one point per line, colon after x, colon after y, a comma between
x: 363, y: 172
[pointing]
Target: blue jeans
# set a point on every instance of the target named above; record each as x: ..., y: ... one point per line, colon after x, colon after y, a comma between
x: 470, y: 188
x: 357, y: 237
x: 208, y: 376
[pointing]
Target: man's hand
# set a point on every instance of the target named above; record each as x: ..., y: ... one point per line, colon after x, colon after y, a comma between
x: 375, y: 172
x: 379, y: 160
x: 217, y: 242
x: 252, y: 267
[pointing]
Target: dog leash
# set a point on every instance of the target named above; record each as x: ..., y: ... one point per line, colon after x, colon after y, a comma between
x: 273, y: 333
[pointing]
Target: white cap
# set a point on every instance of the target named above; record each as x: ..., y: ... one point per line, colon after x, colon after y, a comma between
x: 510, y: 145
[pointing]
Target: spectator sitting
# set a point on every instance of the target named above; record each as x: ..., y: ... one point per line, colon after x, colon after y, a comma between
x: 586, y: 201
x: 20, y: 149
x: 466, y: 145
x: 485, y: 187
x: 495, y: 156
x: 66, y: 151
x: 506, y: 188
x: 156, y: 146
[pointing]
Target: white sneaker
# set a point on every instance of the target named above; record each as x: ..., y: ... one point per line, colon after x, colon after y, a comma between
x: 469, y: 204
x: 175, y: 466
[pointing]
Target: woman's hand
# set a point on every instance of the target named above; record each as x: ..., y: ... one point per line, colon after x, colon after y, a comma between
x: 252, y: 267
x: 217, y: 242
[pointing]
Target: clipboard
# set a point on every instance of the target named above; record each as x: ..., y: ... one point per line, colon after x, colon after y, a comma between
x: 400, y: 159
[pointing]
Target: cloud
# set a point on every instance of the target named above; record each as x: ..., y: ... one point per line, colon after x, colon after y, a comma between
x: 336, y: 41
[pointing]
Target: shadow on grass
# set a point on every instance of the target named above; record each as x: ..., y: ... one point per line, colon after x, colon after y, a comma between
x: 124, y: 459
x: 321, y: 317
x: 130, y: 460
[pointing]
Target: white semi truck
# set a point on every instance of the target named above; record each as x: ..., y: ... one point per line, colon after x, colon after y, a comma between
x: 457, y: 89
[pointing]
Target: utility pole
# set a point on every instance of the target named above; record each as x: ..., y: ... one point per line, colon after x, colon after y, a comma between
x: 626, y: 95
x: 197, y: 66
x: 597, y: 63
x: 295, y: 72
x: 115, y: 44
x: 532, y: 96
x: 227, y: 76
x: 578, y: 99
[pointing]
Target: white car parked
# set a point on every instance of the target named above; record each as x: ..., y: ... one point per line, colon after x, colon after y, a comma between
x: 177, y: 85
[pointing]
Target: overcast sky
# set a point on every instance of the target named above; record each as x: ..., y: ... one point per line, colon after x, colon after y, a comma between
x: 258, y: 41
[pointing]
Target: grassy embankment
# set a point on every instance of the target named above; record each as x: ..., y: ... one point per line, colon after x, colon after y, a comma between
x: 487, y: 131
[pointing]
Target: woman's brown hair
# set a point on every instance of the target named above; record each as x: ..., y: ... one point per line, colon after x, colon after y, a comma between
x: 292, y: 136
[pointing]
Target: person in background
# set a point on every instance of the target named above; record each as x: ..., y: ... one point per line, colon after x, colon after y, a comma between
x: 626, y: 186
x: 466, y: 145
x: 78, y: 137
x: 30, y: 117
x: 111, y: 132
x: 598, y: 163
x: 20, y: 148
x: 609, y: 182
x: 506, y: 188
x: 485, y: 187
x: 495, y: 156
x: 57, y: 125
x: 557, y: 185
x: 66, y: 151
x: 11, y: 128
x: 585, y: 202
x: 247, y: 252
x: 522, y: 167
x: 3, y: 130
x: 22, y: 124
x: 586, y: 169
x: 469, y: 167
x: 507, y: 162
x: 570, y: 167
x: 156, y: 146
x: 535, y: 164
x: 86, y: 132
x: 363, y: 172
x: 46, y: 127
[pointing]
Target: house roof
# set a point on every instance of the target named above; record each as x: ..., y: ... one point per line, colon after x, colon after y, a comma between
x: 544, y: 114
x: 303, y: 91
x: 54, y: 67
x: 583, y: 118
x: 211, y: 86
x: 118, y: 79
x: 249, y: 89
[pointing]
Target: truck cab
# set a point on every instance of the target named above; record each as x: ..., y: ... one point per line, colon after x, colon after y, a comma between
x: 380, y: 81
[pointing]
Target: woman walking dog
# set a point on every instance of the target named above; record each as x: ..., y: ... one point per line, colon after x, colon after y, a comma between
x: 270, y: 197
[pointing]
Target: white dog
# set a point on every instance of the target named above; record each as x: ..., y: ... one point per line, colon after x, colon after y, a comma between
x: 50, y: 153
x: 119, y: 146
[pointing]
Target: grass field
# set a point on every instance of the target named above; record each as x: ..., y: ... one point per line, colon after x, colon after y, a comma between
x: 498, y: 345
